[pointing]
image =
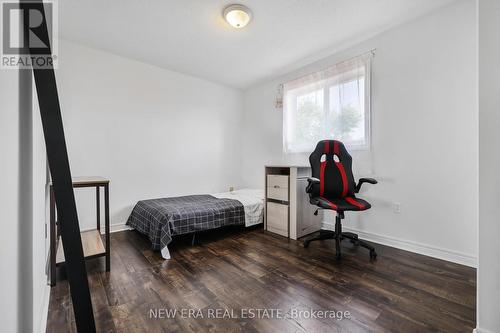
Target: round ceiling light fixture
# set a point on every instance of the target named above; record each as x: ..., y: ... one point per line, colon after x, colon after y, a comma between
x: 237, y: 16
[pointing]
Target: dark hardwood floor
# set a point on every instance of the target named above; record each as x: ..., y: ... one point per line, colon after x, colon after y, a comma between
x: 252, y: 269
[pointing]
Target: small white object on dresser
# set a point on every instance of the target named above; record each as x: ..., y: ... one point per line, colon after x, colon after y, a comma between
x: 287, y: 211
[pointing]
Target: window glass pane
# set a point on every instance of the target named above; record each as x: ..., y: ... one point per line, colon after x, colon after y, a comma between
x: 347, y: 112
x: 309, y: 119
x: 330, y: 104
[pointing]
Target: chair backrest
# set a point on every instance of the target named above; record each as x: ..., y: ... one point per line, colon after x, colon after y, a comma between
x: 332, y: 165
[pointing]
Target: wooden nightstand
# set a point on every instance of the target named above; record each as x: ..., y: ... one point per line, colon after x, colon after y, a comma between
x: 287, y: 209
x: 93, y: 246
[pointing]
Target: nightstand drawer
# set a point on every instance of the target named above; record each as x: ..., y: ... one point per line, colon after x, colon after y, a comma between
x: 277, y: 181
x: 277, y: 218
x: 277, y: 193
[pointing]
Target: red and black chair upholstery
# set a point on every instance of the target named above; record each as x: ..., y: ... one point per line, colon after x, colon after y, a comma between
x: 332, y: 186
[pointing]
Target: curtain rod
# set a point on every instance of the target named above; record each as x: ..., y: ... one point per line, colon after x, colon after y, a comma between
x: 372, y: 51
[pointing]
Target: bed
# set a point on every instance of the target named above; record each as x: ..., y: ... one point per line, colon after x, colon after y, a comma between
x: 162, y: 219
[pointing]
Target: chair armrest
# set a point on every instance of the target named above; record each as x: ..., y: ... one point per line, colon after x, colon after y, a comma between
x: 311, y: 181
x: 365, y: 180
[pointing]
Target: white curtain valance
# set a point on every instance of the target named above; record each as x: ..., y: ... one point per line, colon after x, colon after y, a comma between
x: 344, y: 68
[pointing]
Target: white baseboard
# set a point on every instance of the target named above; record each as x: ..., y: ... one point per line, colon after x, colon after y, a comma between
x: 112, y: 228
x: 428, y: 250
x: 481, y: 330
x: 118, y: 227
x: 425, y: 249
x: 42, y: 328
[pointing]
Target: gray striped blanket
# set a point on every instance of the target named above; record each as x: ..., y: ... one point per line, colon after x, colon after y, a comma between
x: 160, y: 219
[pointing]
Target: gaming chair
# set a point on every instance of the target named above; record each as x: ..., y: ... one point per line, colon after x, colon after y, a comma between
x: 332, y: 186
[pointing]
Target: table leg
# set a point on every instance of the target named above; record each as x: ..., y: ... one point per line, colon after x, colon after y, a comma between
x: 98, y: 206
x: 106, y: 213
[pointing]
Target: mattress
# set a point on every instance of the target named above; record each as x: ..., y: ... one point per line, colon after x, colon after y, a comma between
x: 252, y: 201
x: 161, y: 219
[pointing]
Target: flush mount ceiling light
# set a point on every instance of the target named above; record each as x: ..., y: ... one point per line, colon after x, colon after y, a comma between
x: 237, y: 16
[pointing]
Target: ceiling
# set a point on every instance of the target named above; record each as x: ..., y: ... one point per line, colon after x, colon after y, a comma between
x: 190, y: 36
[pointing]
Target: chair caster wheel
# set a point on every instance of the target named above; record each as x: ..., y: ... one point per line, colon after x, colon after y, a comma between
x: 354, y: 242
x: 306, y: 244
x: 373, y: 255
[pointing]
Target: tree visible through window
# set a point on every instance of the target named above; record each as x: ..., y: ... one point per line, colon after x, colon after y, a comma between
x: 332, y: 104
x: 310, y: 114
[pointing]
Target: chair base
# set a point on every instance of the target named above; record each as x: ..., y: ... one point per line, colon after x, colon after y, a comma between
x: 339, y: 236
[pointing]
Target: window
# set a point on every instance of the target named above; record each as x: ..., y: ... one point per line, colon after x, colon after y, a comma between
x: 332, y: 104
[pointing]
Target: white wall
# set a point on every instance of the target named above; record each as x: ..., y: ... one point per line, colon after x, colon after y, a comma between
x: 9, y: 195
x: 22, y: 244
x: 41, y: 289
x: 25, y: 204
x: 24, y: 300
x: 151, y: 131
x: 488, y: 282
x: 424, y: 123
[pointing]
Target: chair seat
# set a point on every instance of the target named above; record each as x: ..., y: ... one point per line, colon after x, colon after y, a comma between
x: 341, y: 204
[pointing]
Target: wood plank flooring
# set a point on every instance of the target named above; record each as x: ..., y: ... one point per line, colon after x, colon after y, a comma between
x: 237, y: 269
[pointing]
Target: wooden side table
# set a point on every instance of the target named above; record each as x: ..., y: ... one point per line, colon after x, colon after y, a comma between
x: 287, y: 211
x: 93, y: 246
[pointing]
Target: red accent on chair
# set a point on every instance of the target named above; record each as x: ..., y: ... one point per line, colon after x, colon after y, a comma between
x: 336, y: 147
x: 340, y: 166
x: 354, y: 202
x: 322, y: 179
x: 322, y: 171
x: 331, y: 204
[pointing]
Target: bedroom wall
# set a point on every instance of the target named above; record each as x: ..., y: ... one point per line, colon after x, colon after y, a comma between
x: 151, y: 131
x: 24, y: 290
x: 424, y: 123
x: 9, y: 198
x: 41, y: 290
x: 488, y: 281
